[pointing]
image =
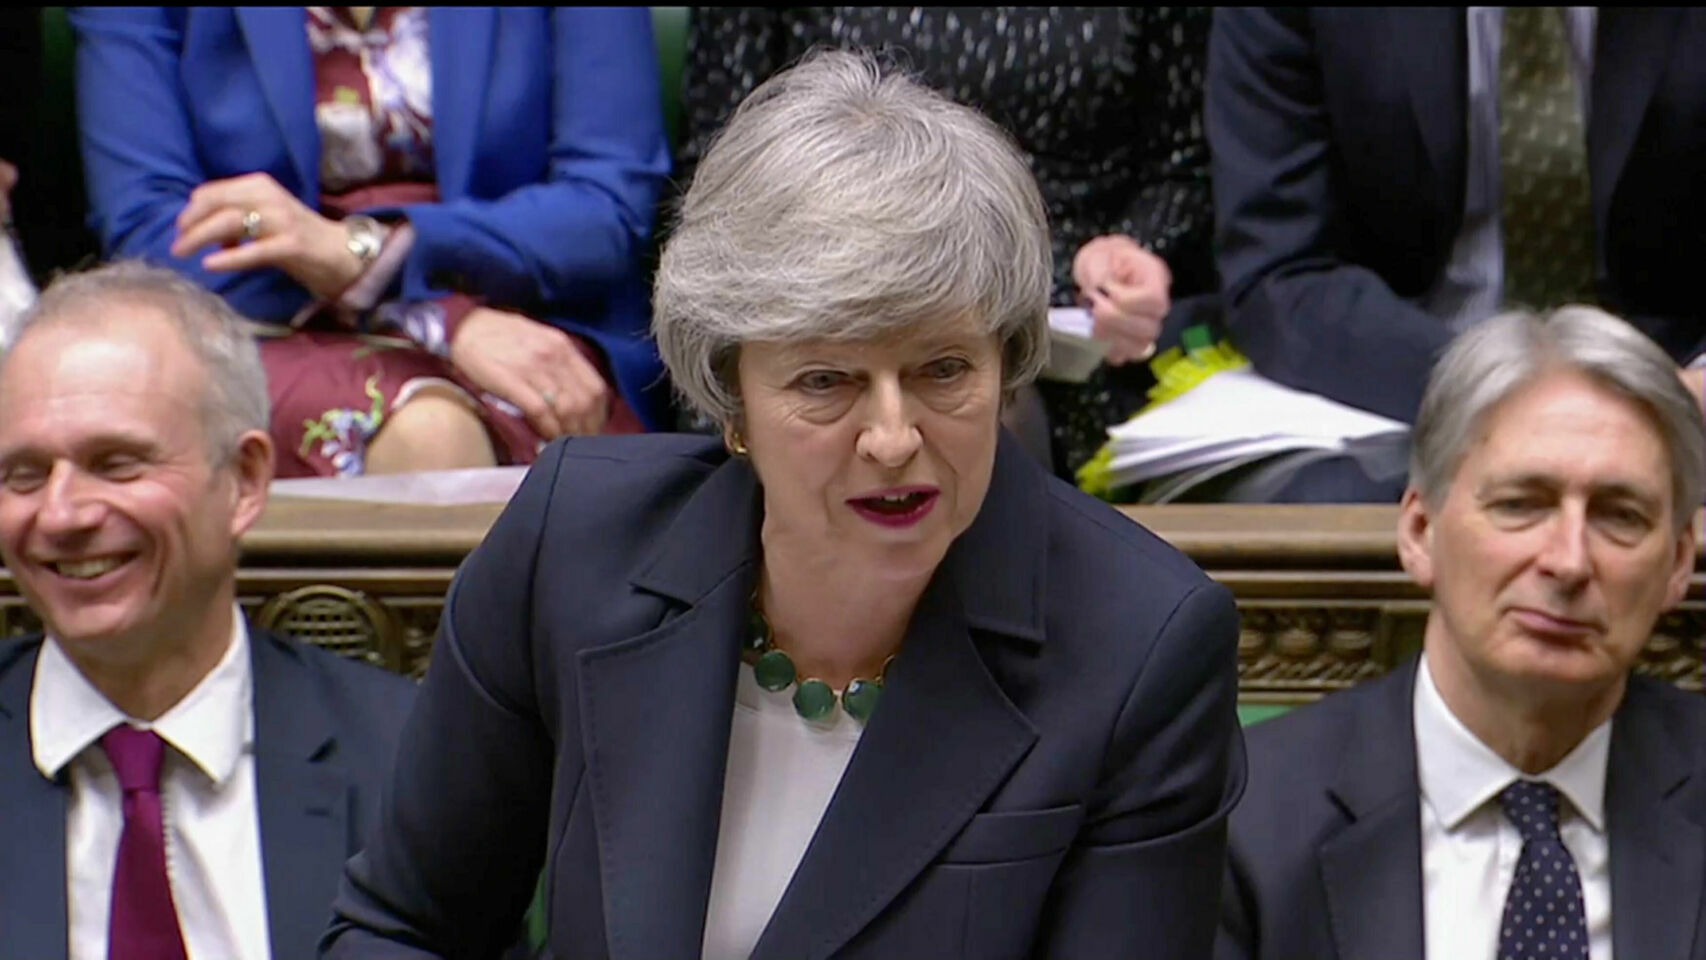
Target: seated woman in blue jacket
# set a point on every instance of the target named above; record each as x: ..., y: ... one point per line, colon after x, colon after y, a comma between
x: 435, y: 215
x: 859, y: 681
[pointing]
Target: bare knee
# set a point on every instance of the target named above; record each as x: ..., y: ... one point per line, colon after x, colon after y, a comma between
x: 433, y: 431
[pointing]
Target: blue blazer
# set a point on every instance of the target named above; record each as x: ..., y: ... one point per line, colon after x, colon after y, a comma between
x: 325, y: 732
x: 1048, y: 774
x: 1326, y: 854
x: 1340, y: 161
x: 547, y: 137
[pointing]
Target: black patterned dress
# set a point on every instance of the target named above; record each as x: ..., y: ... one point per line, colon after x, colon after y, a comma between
x: 1105, y: 101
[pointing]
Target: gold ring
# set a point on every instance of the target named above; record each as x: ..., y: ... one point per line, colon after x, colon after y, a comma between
x: 549, y: 398
x: 252, y: 225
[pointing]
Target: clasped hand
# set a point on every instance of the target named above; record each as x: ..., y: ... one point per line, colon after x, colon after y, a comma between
x: 281, y: 232
x: 532, y: 365
x: 1126, y: 288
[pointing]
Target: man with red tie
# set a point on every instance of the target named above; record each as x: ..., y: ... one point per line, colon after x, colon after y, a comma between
x: 173, y: 783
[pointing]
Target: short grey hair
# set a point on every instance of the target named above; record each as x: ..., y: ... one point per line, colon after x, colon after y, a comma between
x: 236, y: 394
x: 1492, y: 360
x: 845, y: 200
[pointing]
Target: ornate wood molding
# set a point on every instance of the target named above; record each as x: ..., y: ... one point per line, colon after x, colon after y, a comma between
x: 1323, y: 599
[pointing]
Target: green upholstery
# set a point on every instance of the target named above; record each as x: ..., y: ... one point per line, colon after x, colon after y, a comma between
x: 669, y: 30
x: 1249, y: 713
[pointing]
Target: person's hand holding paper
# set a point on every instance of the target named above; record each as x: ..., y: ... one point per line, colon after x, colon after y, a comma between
x: 1127, y: 291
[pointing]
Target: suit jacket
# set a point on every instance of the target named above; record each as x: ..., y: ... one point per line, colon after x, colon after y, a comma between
x: 1326, y: 851
x: 1048, y: 772
x: 1339, y: 138
x: 548, y: 147
x: 325, y: 732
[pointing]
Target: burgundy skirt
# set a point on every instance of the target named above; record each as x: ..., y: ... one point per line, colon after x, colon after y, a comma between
x: 332, y: 391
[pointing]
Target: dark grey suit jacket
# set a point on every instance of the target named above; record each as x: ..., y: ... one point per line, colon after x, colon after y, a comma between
x: 1326, y: 851
x: 325, y: 732
x: 1048, y: 773
x: 1340, y: 152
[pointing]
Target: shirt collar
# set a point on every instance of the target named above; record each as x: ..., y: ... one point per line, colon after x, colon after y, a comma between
x: 213, y: 725
x: 1458, y: 773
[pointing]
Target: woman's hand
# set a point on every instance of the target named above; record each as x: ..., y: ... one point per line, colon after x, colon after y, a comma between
x: 1126, y: 289
x: 534, y: 366
x: 258, y: 223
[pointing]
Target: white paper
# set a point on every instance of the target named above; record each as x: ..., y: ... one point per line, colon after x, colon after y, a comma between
x: 1072, y: 320
x: 17, y: 292
x: 1074, y: 353
x: 1235, y: 415
x: 426, y: 487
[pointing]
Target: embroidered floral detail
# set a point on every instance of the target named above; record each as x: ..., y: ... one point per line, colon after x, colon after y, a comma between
x: 343, y: 433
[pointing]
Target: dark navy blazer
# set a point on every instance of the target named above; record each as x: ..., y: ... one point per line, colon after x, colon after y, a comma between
x: 1326, y: 854
x: 1340, y: 147
x: 325, y: 732
x: 1048, y: 774
x: 548, y: 146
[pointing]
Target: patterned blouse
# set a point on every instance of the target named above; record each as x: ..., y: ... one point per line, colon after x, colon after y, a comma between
x: 1106, y: 101
x: 373, y: 108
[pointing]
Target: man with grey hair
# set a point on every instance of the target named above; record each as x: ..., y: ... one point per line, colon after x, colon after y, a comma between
x: 1514, y: 792
x: 173, y: 783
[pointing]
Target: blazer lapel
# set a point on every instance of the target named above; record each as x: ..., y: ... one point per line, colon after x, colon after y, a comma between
x: 277, y: 38
x: 1432, y: 43
x: 304, y: 804
x: 1658, y: 852
x: 905, y: 796
x: 460, y: 39
x: 32, y: 868
x: 656, y: 712
x: 1631, y: 48
x: 1372, y: 869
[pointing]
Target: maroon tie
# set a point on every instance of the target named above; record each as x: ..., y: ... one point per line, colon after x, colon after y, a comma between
x: 144, y: 923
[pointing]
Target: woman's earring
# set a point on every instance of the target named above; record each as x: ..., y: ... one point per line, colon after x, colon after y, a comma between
x: 736, y: 445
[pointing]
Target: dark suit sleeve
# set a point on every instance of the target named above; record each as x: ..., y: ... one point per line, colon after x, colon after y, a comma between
x: 1143, y: 879
x: 449, y: 870
x: 1306, y: 315
x: 1236, y: 937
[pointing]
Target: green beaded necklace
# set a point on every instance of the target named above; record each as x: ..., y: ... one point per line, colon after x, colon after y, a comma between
x: 813, y: 698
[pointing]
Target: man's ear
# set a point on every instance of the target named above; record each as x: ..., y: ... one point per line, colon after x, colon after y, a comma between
x: 253, y: 467
x: 1416, y: 538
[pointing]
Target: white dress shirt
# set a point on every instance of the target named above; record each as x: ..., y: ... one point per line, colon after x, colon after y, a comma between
x: 207, y: 794
x: 781, y: 774
x: 1473, y: 283
x: 1469, y: 848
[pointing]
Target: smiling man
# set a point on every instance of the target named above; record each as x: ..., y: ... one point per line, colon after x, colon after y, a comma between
x: 1515, y: 792
x: 172, y: 783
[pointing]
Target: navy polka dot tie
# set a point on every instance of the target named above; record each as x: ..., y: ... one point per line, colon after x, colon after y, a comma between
x: 1544, y: 918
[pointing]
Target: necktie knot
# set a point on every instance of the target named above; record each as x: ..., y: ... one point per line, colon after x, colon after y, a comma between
x: 136, y: 756
x: 1532, y: 807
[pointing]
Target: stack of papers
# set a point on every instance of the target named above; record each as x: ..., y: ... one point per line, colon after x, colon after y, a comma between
x: 1231, y: 418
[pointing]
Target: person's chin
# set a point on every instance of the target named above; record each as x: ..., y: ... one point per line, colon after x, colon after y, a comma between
x: 93, y: 625
x: 1562, y: 669
x: 909, y: 558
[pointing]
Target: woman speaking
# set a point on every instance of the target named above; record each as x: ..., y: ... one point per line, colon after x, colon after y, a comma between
x: 860, y: 680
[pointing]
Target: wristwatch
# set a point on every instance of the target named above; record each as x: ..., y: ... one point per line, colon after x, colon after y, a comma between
x: 366, y: 237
